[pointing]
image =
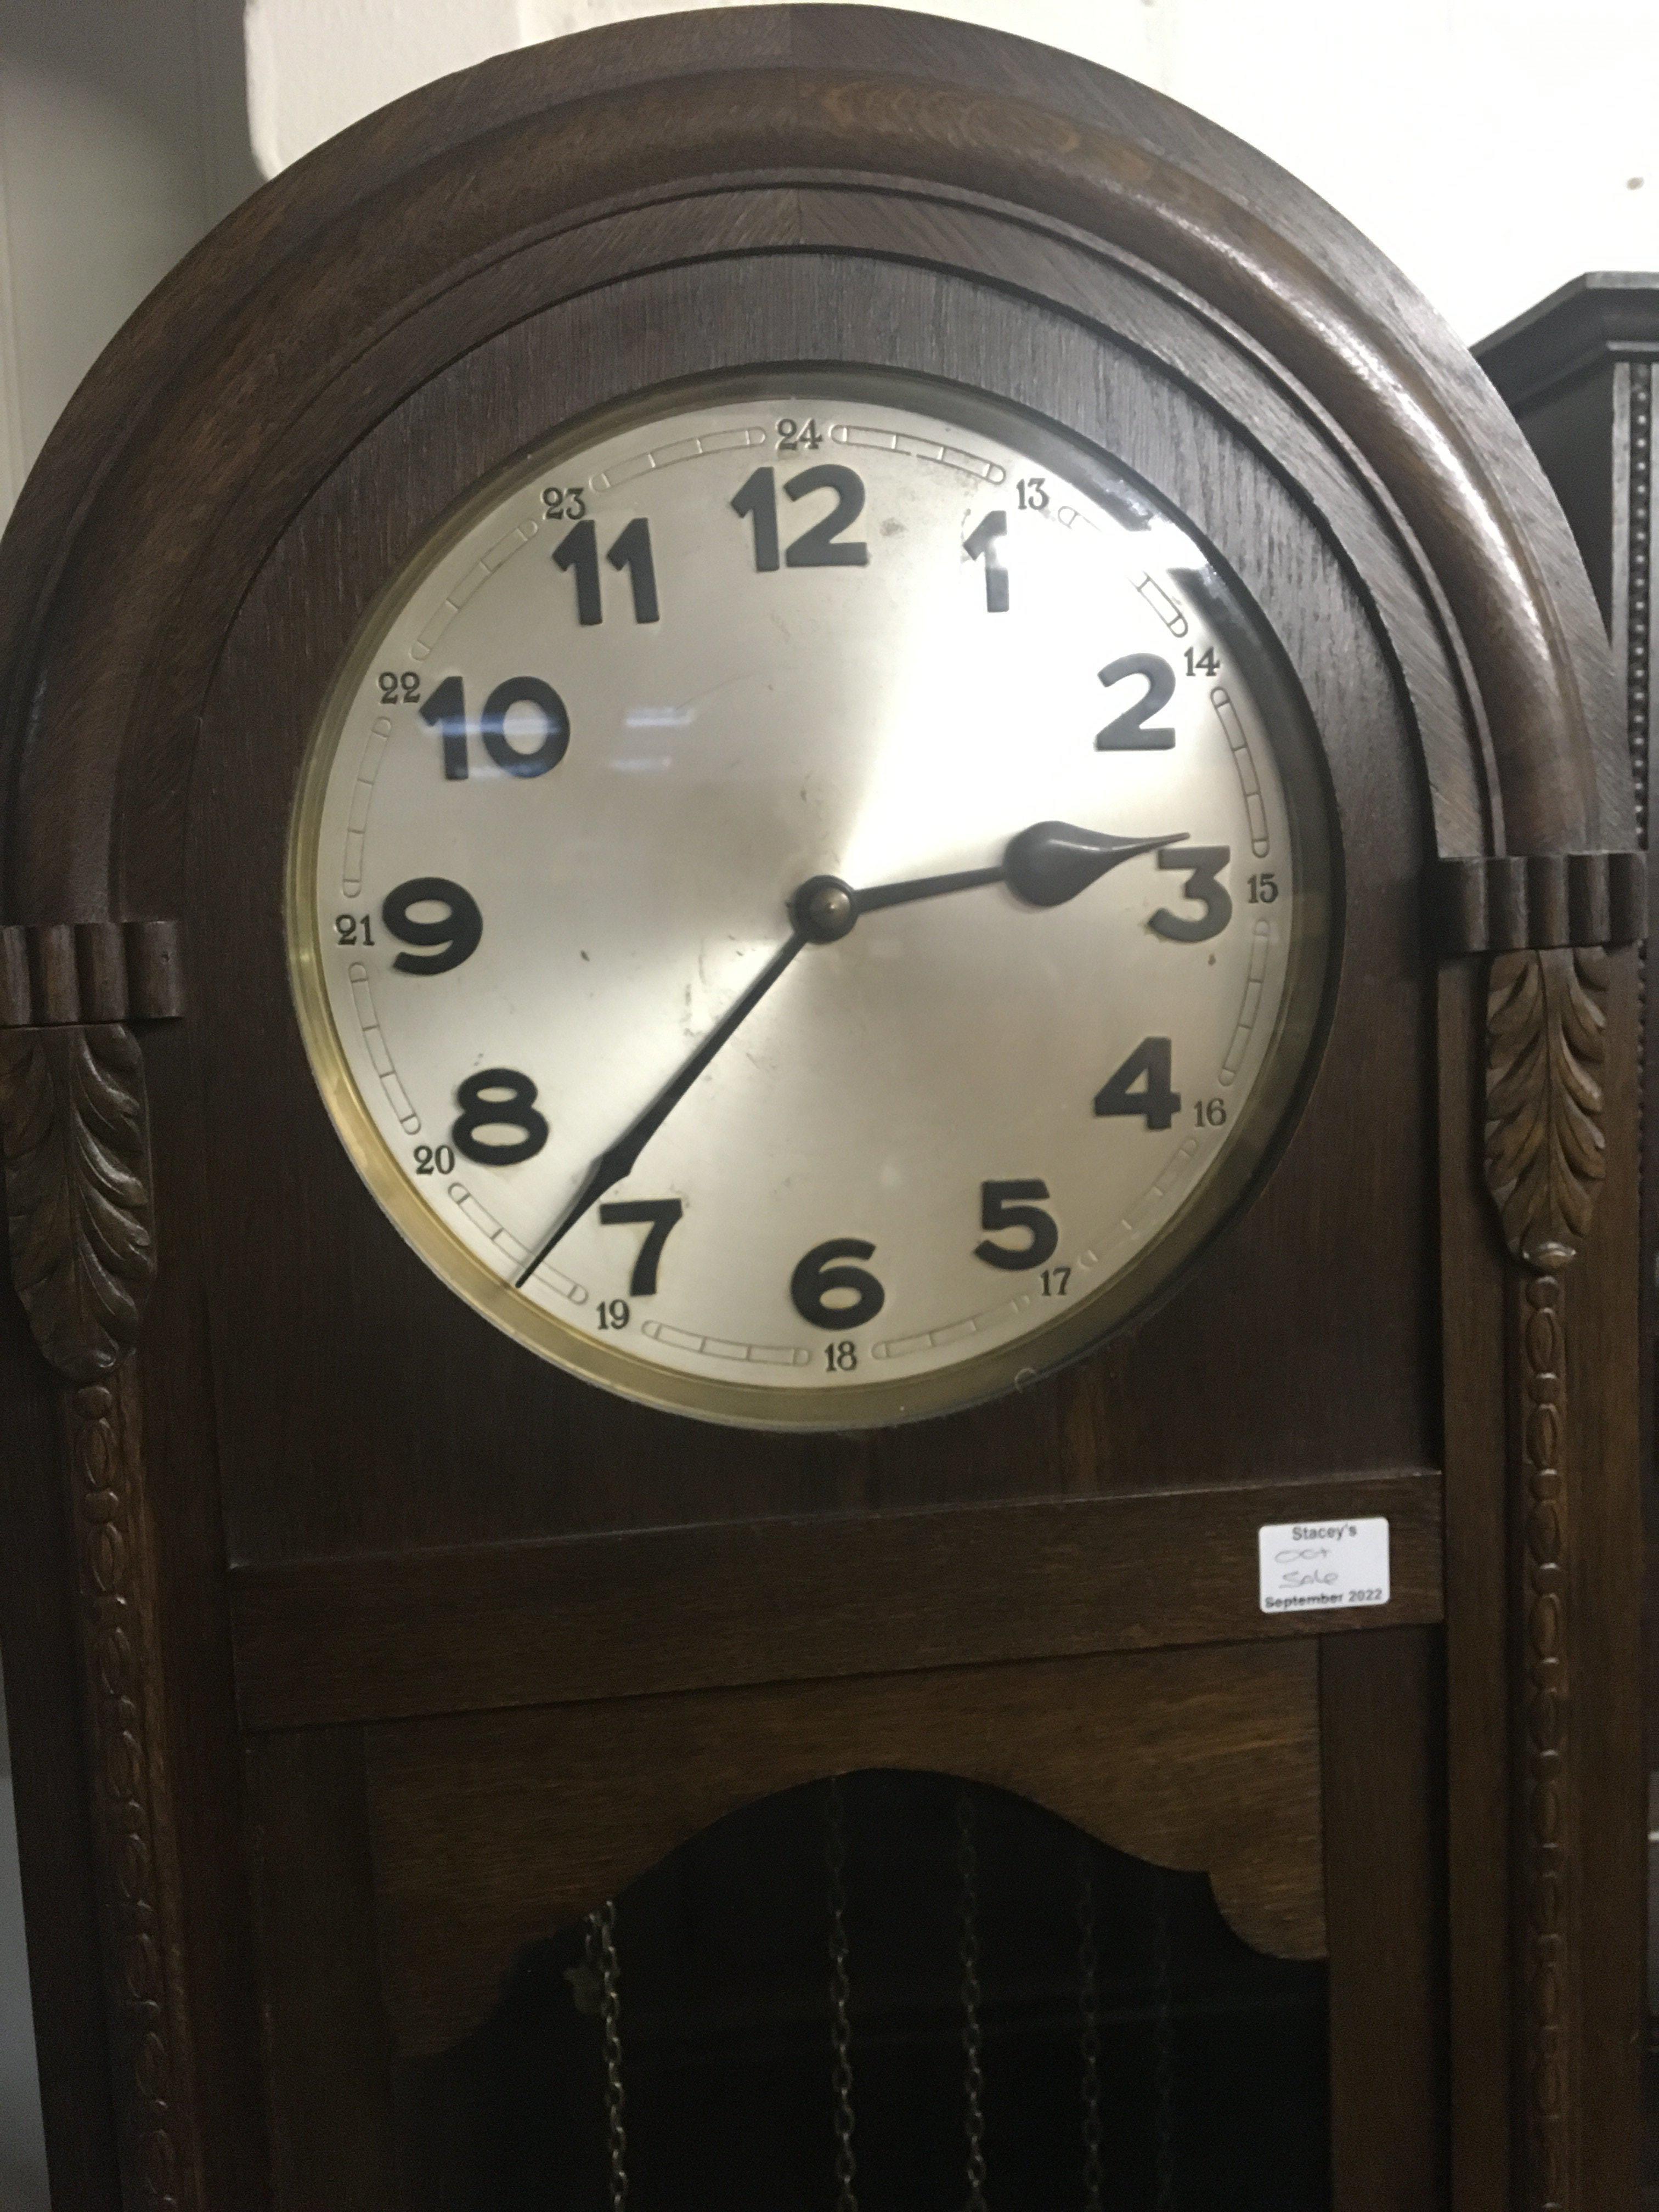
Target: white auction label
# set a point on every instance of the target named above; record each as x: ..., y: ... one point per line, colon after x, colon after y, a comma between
x: 1307, y: 1565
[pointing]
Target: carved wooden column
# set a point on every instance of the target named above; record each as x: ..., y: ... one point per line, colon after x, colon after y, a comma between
x: 1579, y: 370
x: 1545, y: 1159
x: 75, y: 1134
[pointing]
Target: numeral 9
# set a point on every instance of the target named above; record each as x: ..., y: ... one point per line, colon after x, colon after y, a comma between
x: 454, y: 938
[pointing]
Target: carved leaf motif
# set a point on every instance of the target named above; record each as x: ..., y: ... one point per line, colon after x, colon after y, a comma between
x: 1545, y: 1149
x: 73, y: 1131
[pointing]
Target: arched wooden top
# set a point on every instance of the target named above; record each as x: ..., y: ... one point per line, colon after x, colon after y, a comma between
x: 213, y: 412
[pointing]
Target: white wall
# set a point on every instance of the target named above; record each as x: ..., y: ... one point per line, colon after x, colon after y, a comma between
x: 122, y: 138
x: 22, y: 2149
x: 1494, y: 148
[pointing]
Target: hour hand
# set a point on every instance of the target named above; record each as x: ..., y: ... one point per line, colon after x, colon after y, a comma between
x: 1053, y: 862
x: 1045, y: 865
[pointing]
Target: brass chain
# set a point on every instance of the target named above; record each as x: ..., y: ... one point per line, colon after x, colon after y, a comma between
x: 1164, y: 2051
x: 603, y: 1967
x: 973, y: 2041
x: 841, y: 2024
x: 1088, y: 1976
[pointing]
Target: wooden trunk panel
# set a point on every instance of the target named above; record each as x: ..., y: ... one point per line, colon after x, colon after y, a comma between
x: 491, y: 1829
x: 511, y: 1624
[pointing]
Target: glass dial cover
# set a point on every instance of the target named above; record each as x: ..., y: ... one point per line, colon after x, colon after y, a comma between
x: 809, y: 900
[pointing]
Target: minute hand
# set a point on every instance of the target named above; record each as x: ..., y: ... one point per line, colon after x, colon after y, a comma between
x: 617, y: 1158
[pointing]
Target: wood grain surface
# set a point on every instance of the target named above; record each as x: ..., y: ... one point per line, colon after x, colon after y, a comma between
x: 498, y: 1639
x: 322, y: 1641
x: 491, y: 1829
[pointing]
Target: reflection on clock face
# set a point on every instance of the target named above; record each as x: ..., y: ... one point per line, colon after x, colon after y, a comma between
x: 808, y: 902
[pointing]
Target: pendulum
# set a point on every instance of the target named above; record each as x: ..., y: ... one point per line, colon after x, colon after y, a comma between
x: 1088, y: 1955
x: 603, y: 1974
x: 841, y: 2026
x: 1163, y: 2046
x: 973, y: 2040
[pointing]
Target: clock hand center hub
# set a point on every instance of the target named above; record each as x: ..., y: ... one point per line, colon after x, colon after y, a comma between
x: 824, y: 908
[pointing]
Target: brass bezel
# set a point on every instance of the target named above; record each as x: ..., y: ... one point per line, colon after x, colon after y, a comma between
x: 1155, y: 1270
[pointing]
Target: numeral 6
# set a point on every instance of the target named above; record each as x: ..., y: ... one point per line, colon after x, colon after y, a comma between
x: 861, y: 1296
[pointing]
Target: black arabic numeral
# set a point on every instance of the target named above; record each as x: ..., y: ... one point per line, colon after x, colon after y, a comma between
x: 822, y: 545
x: 816, y: 1278
x: 986, y: 545
x: 1210, y: 1113
x: 758, y: 500
x: 632, y: 552
x: 434, y: 1159
x: 1034, y: 494
x: 1128, y: 733
x: 446, y: 713
x: 1264, y: 888
x: 796, y: 437
x: 399, y: 691
x: 1005, y: 1205
x: 614, y: 1313
x: 525, y: 692
x: 841, y: 1358
x: 498, y: 1098
x: 564, y: 503
x: 450, y: 940
x: 579, y: 550
x: 1156, y: 1103
x: 352, y: 929
x: 1203, y: 664
x: 660, y: 1214
x: 1200, y: 864
x: 1056, y: 1282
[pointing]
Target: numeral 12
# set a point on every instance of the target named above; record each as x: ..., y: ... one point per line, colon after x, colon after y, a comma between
x: 822, y: 546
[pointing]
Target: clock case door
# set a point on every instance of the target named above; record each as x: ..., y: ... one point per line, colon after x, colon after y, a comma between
x: 423, y: 1590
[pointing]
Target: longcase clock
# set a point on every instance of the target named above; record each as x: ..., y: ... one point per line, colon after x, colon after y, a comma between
x: 818, y: 1044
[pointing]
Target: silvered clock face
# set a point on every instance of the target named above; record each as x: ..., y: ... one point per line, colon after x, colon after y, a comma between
x: 808, y: 902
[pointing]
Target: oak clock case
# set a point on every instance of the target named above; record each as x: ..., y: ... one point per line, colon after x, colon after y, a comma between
x: 362, y: 1638
x: 696, y: 1559
x: 991, y: 708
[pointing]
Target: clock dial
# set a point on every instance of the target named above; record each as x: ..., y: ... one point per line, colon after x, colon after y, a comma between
x: 808, y: 902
